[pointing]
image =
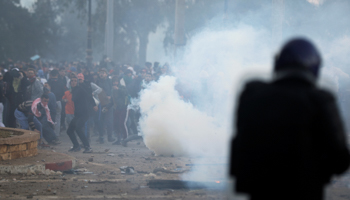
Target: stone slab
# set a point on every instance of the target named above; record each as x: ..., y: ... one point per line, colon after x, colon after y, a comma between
x: 22, y: 154
x: 32, y: 145
x: 12, y: 148
x: 17, y: 147
x: 60, y: 166
x: 18, y: 154
x: 5, y: 156
x: 3, y: 148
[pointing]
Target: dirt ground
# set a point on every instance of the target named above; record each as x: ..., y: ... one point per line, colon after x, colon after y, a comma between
x: 101, y: 178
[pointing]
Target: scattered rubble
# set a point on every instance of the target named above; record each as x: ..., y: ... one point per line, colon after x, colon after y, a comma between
x: 177, y: 171
x: 150, y: 175
x: 107, y: 181
x: 127, y: 170
x: 142, y: 172
x: 148, y: 158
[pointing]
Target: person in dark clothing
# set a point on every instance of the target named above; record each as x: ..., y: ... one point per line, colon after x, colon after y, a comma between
x: 58, y: 87
x: 83, y: 102
x: 106, y: 120
x: 121, y: 100
x: 289, y: 135
x: 16, y: 87
x: 134, y: 114
x: 62, y: 75
x: 84, y: 83
x: 137, y: 84
x: 133, y: 90
x: 91, y: 88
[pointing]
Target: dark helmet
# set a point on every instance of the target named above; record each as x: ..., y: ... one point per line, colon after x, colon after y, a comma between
x: 298, y: 54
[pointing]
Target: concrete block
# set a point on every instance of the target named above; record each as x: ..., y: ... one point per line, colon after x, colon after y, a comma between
x: 5, y: 156
x: 13, y: 148
x: 61, y: 166
x: 22, y: 147
x: 21, y: 154
x: 17, y: 147
x: 3, y: 148
x: 32, y: 152
x: 32, y: 145
x: 16, y: 154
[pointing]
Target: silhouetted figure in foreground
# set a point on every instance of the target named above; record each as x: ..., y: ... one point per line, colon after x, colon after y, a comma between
x: 290, y: 138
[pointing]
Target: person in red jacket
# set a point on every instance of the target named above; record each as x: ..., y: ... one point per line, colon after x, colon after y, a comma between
x: 69, y: 104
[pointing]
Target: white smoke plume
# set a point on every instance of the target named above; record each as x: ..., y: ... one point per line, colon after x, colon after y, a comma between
x: 174, y: 127
x: 213, y: 67
x: 211, y: 70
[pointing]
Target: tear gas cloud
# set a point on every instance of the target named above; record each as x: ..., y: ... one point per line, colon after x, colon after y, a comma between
x: 212, y: 68
x: 188, y: 128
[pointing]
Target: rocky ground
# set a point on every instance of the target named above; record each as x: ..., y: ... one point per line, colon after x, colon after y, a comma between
x: 98, y: 176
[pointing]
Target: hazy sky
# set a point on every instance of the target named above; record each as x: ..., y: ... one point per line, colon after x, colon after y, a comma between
x: 28, y: 3
x: 316, y: 2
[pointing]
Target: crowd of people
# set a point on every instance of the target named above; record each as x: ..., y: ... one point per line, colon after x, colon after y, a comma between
x: 53, y: 98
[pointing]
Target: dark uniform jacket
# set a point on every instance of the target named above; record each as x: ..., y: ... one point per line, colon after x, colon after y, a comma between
x: 83, y: 101
x: 289, y: 134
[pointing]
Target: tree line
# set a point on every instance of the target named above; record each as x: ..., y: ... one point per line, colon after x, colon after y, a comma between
x: 57, y: 29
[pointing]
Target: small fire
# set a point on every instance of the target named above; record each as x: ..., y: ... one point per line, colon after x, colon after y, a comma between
x: 217, y: 181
